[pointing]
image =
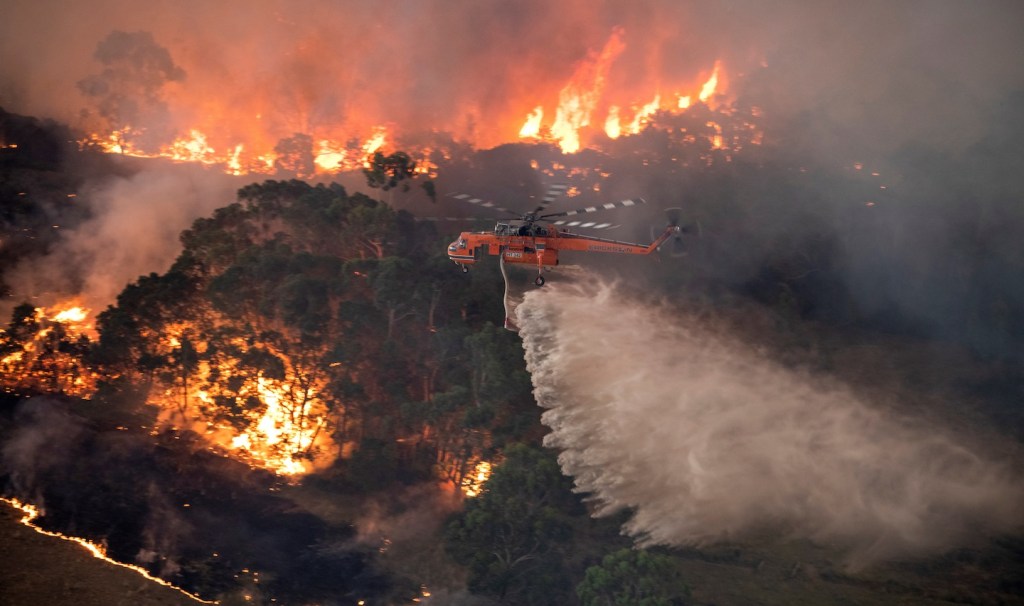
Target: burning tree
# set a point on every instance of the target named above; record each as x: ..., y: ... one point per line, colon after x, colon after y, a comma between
x: 127, y: 93
x: 45, y: 350
x: 292, y: 330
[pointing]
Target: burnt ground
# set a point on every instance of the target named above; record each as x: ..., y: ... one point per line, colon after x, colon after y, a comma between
x: 36, y: 569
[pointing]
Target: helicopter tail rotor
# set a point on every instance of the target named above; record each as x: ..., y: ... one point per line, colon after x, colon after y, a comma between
x: 678, y: 248
x: 674, y: 214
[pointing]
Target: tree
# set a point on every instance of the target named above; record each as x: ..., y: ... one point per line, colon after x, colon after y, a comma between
x: 390, y: 279
x: 184, y: 362
x: 511, y: 536
x: 386, y: 172
x: 128, y: 92
x: 633, y: 577
x: 295, y: 155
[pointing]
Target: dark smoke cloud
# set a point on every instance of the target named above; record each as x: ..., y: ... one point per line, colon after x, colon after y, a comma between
x: 706, y: 438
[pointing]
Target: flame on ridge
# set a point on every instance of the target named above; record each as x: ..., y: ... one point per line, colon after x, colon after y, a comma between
x: 328, y: 155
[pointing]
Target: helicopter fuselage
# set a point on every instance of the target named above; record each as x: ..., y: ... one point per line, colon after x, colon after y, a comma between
x: 531, y: 244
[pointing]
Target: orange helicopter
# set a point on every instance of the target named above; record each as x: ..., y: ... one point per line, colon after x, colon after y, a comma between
x: 523, y: 241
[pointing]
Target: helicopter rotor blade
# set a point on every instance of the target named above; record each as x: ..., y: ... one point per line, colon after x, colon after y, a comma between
x: 678, y: 245
x: 553, y: 193
x: 673, y: 215
x: 585, y: 224
x: 593, y: 209
x: 462, y: 219
x: 482, y: 203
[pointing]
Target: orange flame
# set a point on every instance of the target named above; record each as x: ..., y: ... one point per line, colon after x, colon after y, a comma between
x: 42, y: 363
x: 473, y: 483
x: 532, y: 126
x: 242, y: 136
x: 710, y: 86
x: 75, y: 315
x: 276, y: 438
x: 578, y: 99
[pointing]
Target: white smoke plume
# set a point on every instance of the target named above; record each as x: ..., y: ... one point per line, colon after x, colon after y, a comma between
x: 134, y: 229
x: 706, y: 439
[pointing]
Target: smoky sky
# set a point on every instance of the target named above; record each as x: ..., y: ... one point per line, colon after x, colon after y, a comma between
x: 707, y: 438
x: 871, y: 73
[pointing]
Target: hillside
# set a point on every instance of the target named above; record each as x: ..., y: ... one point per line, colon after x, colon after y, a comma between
x: 37, y: 569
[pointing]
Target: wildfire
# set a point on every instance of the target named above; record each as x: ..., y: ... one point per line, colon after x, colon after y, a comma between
x: 531, y: 128
x: 280, y: 424
x: 710, y: 87
x: 31, y: 513
x: 473, y: 483
x: 39, y: 351
x: 249, y: 139
x: 578, y: 100
x: 582, y: 96
x: 72, y: 315
x: 375, y: 142
x: 329, y: 155
x: 276, y: 439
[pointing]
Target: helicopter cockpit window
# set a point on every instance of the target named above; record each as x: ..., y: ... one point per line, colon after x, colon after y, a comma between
x: 501, y: 229
x: 462, y: 243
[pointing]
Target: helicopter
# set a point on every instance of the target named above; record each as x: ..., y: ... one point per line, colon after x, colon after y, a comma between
x: 536, y: 238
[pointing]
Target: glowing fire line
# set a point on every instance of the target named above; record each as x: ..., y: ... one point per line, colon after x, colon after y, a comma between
x: 329, y: 155
x: 31, y: 512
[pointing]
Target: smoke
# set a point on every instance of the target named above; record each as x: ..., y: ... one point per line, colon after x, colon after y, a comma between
x: 133, y: 230
x: 707, y: 439
x: 406, y: 516
x: 47, y: 436
x: 838, y: 82
x: 311, y: 63
x: 870, y: 70
x: 128, y: 90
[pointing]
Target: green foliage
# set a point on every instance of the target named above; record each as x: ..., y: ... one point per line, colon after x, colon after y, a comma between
x: 512, y: 536
x: 345, y: 307
x: 374, y: 465
x: 634, y: 577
